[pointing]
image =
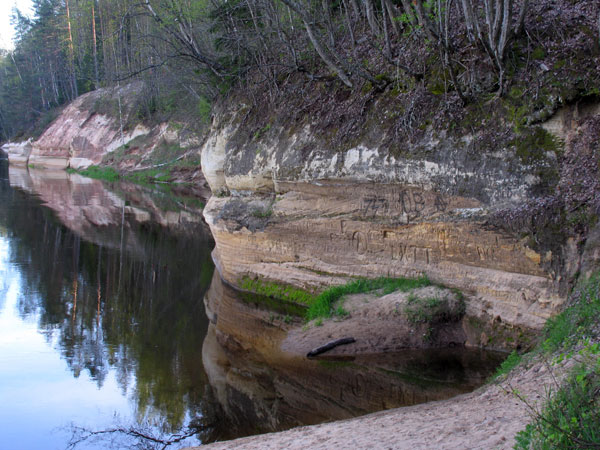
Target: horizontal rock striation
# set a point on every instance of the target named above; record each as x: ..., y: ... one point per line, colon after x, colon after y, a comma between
x: 291, y: 211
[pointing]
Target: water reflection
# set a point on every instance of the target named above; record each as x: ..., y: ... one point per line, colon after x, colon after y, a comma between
x: 261, y: 388
x: 114, y: 280
x: 109, y: 283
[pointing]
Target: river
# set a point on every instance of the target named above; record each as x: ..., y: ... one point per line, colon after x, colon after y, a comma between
x: 101, y: 312
x: 103, y: 326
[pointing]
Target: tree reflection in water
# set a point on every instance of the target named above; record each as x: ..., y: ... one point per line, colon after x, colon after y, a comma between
x: 138, y: 311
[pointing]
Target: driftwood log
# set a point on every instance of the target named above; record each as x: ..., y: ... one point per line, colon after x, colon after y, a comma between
x: 330, y: 345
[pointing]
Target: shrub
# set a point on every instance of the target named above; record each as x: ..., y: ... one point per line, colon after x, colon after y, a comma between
x: 571, y: 416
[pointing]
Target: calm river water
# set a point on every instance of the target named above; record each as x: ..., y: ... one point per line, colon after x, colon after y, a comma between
x: 101, y: 311
x: 103, y: 325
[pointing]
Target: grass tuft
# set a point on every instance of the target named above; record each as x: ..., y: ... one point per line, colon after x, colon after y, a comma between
x: 99, y: 173
x: 324, y: 302
x: 507, y: 365
x: 276, y: 290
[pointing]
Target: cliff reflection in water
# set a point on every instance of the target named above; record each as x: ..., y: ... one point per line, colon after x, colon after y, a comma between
x: 261, y: 388
x: 120, y: 276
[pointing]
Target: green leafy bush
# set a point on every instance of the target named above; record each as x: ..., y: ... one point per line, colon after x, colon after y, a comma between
x: 571, y: 416
x: 570, y: 419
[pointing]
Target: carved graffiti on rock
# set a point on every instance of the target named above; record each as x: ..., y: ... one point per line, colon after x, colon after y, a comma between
x: 409, y: 204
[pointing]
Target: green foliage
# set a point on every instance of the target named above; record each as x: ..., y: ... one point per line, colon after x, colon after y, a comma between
x: 421, y: 310
x: 324, y: 302
x: 323, y: 305
x: 276, y: 290
x: 571, y: 416
x: 533, y: 145
x: 259, y: 133
x: 160, y: 175
x: 262, y: 213
x: 204, y: 109
x: 99, y: 173
x: 576, y: 322
x: 512, y: 361
x: 341, y: 312
x: 538, y: 53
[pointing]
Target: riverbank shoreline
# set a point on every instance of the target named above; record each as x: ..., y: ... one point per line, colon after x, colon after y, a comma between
x: 487, y: 418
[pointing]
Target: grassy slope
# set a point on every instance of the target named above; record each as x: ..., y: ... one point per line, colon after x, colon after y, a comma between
x: 570, y: 417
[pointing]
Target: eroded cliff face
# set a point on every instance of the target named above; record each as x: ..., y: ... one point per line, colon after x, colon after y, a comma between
x: 91, y: 127
x: 289, y: 209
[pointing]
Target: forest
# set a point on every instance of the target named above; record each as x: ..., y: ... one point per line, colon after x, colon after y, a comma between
x: 201, y: 50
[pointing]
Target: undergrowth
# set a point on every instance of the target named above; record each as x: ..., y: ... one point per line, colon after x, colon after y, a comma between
x: 570, y: 417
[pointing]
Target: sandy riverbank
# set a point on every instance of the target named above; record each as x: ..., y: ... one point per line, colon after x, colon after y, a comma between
x: 487, y: 418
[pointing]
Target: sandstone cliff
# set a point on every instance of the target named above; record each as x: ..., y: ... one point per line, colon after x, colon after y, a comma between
x: 294, y: 209
x: 96, y: 125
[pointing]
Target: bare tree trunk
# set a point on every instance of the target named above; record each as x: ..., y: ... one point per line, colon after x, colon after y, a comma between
x: 95, y: 47
x: 386, y: 34
x: 71, y: 53
x: 521, y: 20
x: 498, y: 17
x: 392, y: 13
x: 355, y: 8
x: 369, y: 11
x: 327, y: 13
x: 315, y: 42
x: 350, y: 28
x: 424, y: 21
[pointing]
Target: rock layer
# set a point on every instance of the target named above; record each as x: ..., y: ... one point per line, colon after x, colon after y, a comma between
x: 89, y: 128
x: 294, y: 212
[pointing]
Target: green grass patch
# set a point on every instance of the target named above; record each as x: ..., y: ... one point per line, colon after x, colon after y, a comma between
x: 99, y: 173
x: 421, y: 310
x: 507, y: 365
x: 160, y: 175
x: 324, y: 303
x: 276, y: 290
x: 578, y: 321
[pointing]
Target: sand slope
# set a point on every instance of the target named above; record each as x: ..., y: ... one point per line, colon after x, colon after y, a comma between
x: 487, y: 418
